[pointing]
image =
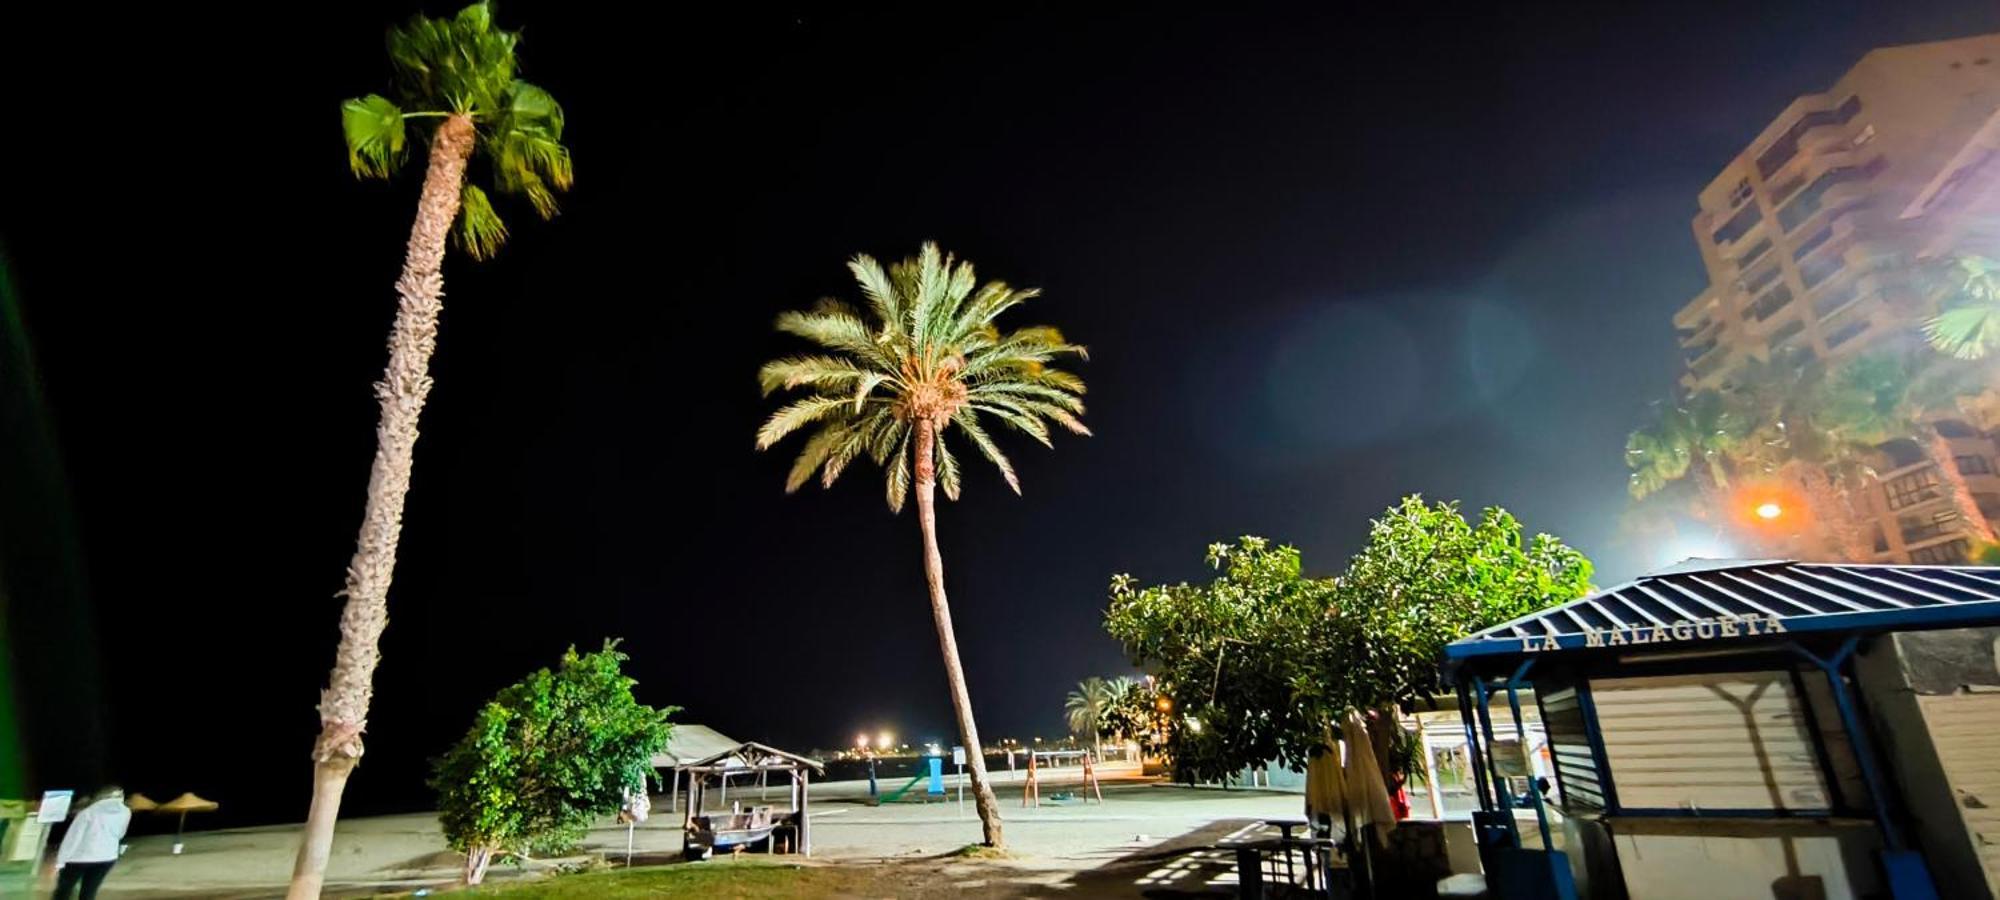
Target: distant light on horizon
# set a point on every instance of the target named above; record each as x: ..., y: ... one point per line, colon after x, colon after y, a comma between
x: 885, y: 740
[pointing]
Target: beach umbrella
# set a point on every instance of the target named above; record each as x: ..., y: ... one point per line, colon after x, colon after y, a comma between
x: 140, y: 803
x: 184, y: 804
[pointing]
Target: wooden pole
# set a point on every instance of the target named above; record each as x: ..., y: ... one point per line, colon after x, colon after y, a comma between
x: 805, y: 811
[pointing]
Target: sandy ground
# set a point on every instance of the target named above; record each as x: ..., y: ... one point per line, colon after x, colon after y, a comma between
x: 1145, y: 837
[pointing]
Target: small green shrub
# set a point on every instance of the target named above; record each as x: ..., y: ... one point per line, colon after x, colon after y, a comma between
x: 545, y: 758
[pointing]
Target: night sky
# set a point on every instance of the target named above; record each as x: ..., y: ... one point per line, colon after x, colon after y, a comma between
x: 1320, y: 259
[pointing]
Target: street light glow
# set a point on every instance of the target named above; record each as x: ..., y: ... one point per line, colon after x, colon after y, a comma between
x: 885, y: 740
x: 1769, y: 510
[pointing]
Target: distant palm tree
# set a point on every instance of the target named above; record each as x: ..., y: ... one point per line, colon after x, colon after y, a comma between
x: 1696, y: 437
x: 1878, y: 398
x: 1118, y: 697
x: 1088, y: 709
x: 456, y: 83
x: 1967, y: 325
x: 924, y: 358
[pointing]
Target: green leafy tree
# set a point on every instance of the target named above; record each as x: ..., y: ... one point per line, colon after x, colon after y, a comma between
x: 457, y: 95
x: 923, y: 359
x: 545, y: 758
x: 1086, y: 709
x: 1222, y: 656
x: 1261, y: 662
x: 1427, y: 577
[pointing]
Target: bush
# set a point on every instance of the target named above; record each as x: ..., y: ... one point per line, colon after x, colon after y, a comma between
x: 545, y: 758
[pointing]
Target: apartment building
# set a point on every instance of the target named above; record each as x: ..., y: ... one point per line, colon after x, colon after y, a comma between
x: 1811, y: 236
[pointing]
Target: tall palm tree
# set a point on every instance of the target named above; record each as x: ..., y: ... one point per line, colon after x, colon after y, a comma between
x: 1967, y: 325
x: 457, y: 91
x: 925, y: 357
x: 1882, y: 397
x: 1087, y: 709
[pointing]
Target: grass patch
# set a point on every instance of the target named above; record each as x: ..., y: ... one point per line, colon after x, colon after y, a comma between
x: 981, y: 851
x: 714, y: 878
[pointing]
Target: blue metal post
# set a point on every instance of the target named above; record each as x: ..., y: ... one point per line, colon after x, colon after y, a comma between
x: 1909, y: 878
x: 1473, y: 754
x: 1521, y: 734
x: 1500, y: 793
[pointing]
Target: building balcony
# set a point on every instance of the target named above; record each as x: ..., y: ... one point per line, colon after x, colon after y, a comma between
x: 1827, y: 138
x: 1730, y: 236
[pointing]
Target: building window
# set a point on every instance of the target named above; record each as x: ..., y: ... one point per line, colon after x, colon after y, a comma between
x: 1836, y: 300
x: 1913, y: 488
x: 1752, y: 255
x: 1809, y: 200
x: 1946, y: 554
x: 1759, y: 281
x: 1919, y: 529
x: 1785, y: 333
x: 1769, y: 304
x: 1738, y: 225
x: 1974, y: 465
x: 1846, y: 333
x: 1814, y: 272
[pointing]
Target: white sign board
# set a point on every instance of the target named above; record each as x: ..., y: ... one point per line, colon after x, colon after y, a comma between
x: 55, y: 807
x: 958, y: 756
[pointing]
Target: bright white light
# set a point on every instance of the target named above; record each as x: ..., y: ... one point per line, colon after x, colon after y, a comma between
x: 885, y: 740
x: 1769, y: 510
x: 861, y: 740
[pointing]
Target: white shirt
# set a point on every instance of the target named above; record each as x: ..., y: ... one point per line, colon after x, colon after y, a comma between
x: 94, y: 833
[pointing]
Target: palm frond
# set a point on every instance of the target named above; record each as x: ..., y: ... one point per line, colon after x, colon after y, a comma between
x: 480, y: 231
x: 947, y: 467
x: 463, y: 63
x: 376, y: 135
x: 881, y: 293
x: 899, y: 474
x: 796, y: 416
x: 968, y: 422
x: 1021, y: 421
x: 1028, y: 390
x: 1965, y: 332
x: 835, y: 329
x: 814, y: 454
x: 525, y: 144
x: 863, y: 433
x: 816, y: 371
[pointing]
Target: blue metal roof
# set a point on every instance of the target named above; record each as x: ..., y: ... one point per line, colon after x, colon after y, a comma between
x: 1719, y: 601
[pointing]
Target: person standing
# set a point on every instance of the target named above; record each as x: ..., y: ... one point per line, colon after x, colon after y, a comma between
x: 90, y: 847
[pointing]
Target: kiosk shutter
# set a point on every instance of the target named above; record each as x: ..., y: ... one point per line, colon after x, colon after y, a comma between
x: 1737, y: 741
x: 1569, y: 748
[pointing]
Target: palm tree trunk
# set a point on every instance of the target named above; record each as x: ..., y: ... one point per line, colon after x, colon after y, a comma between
x: 961, y: 699
x: 1954, y: 482
x: 343, y: 706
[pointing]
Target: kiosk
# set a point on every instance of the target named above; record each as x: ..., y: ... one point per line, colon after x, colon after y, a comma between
x: 1734, y: 728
